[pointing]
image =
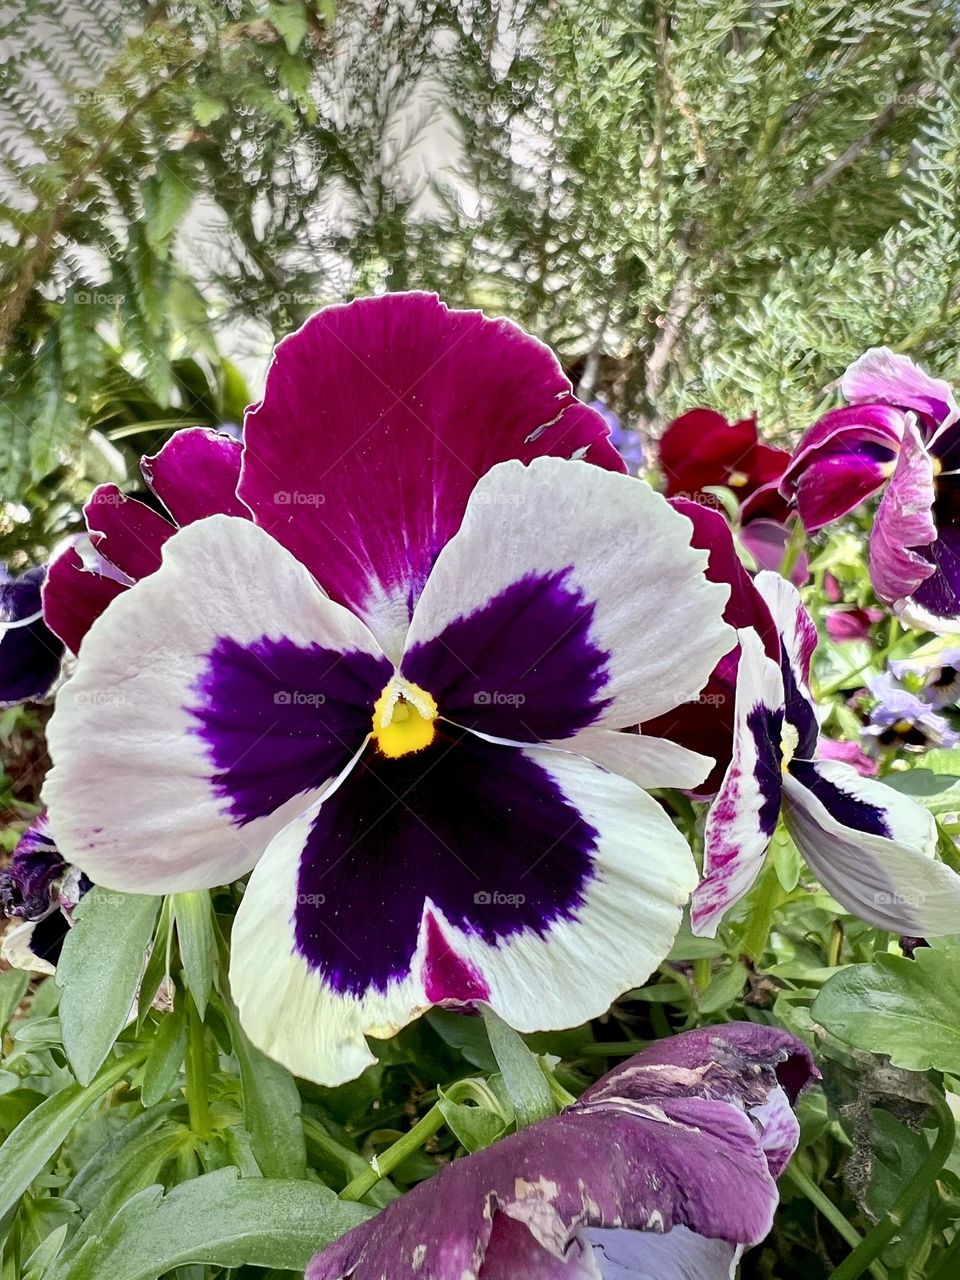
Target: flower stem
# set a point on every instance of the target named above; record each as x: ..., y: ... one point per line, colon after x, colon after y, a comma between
x: 767, y: 896
x: 383, y: 1165
x: 807, y: 1187
x: 196, y: 1068
x: 877, y: 1239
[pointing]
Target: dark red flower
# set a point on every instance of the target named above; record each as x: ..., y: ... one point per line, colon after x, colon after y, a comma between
x: 701, y: 449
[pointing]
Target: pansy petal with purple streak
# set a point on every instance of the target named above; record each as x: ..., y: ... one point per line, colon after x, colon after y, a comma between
x: 30, y: 654
x: 886, y: 377
x: 26, y: 885
x: 798, y: 641
x: 904, y: 526
x: 660, y: 1169
x: 469, y: 872
x: 196, y: 474
x: 217, y: 697
x: 565, y: 602
x: 377, y: 421
x: 871, y: 847
x: 744, y: 816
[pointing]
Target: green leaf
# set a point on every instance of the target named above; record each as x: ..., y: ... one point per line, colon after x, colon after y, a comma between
x: 206, y: 110
x: 99, y: 971
x: 474, y: 1127
x: 937, y: 792
x: 723, y: 988
x: 907, y: 1009
x: 41, y: 1133
x: 198, y: 943
x: 219, y: 1219
x: 271, y: 1109
x: 13, y: 987
x: 290, y: 20
x: 166, y: 1057
x: 525, y: 1082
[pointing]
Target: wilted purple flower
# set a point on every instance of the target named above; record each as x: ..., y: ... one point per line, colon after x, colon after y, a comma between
x: 30, y: 654
x: 902, y: 430
x: 40, y: 889
x: 396, y: 694
x: 849, y: 753
x: 901, y: 717
x: 629, y: 444
x: 873, y: 848
x: 665, y: 1167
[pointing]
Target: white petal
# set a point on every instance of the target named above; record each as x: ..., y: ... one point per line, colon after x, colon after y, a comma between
x: 622, y: 549
x: 133, y: 794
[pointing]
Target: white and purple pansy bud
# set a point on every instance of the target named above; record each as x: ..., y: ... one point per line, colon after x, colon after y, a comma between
x: 871, y: 847
x: 39, y: 890
x: 664, y: 1170
x: 30, y: 654
x: 901, y: 430
x: 406, y: 704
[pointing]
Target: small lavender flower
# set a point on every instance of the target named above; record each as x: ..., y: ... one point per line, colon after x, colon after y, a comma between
x: 905, y: 718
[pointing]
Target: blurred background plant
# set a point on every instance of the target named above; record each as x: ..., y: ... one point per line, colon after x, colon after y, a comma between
x: 712, y: 203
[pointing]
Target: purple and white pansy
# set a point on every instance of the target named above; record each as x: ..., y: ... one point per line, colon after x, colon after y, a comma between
x: 626, y: 1182
x: 901, y: 430
x: 39, y: 890
x: 397, y: 695
x: 30, y: 654
x: 871, y: 847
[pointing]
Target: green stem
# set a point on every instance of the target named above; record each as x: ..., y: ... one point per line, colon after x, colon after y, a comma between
x: 948, y: 1264
x: 807, y: 1187
x: 877, y: 1239
x: 767, y: 896
x: 792, y: 553
x: 196, y: 1068
x: 383, y: 1165
x: 702, y: 973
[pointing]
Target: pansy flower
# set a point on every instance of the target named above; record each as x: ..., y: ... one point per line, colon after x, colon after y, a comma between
x: 41, y: 891
x: 871, y: 847
x: 397, y: 695
x: 901, y: 717
x: 30, y: 654
x: 936, y: 676
x: 901, y: 429
x: 667, y: 1166
x: 701, y: 450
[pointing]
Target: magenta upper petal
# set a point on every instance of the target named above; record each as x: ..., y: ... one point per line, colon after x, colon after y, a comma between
x: 377, y: 421
x: 76, y: 593
x: 196, y: 474
x: 128, y: 533
x: 904, y: 526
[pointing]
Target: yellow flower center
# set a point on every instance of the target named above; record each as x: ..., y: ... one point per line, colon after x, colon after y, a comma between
x: 738, y: 479
x: 789, y: 741
x: 903, y: 726
x: 404, y: 719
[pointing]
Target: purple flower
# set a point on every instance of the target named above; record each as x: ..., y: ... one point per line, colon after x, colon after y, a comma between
x: 901, y: 430
x: 901, y: 717
x: 39, y: 889
x: 871, y: 847
x: 936, y: 676
x: 629, y: 444
x: 666, y: 1166
x: 396, y: 694
x: 850, y: 753
x: 30, y: 654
